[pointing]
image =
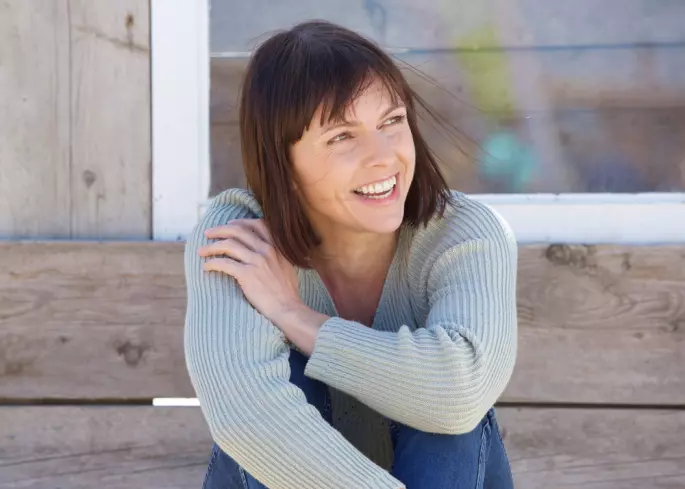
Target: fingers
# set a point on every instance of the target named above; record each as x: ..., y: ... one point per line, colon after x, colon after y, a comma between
x: 236, y: 241
x: 223, y: 265
x: 257, y: 227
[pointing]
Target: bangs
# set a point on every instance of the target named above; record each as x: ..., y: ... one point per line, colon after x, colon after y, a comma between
x: 332, y: 76
x: 317, y: 64
x: 337, y: 94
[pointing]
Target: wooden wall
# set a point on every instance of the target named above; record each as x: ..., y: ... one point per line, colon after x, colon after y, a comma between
x: 75, y: 125
x: 91, y: 327
x: 596, y: 400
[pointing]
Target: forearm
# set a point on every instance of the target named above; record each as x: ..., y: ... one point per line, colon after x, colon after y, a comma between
x: 301, y: 327
x: 239, y: 371
x: 238, y: 365
x: 429, y: 379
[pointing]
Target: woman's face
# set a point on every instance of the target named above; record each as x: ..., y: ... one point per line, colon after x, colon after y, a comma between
x: 355, y: 174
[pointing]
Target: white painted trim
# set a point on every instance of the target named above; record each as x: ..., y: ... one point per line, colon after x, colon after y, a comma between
x: 175, y: 402
x: 596, y: 223
x: 590, y: 218
x: 180, y: 114
x: 583, y: 198
x: 648, y: 218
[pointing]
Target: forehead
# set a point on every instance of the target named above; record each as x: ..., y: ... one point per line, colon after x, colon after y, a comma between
x: 374, y: 96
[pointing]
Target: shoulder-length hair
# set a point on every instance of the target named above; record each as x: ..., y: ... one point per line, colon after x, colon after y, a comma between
x: 289, y: 76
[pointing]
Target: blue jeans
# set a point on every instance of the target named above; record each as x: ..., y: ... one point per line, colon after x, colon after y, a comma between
x: 474, y: 460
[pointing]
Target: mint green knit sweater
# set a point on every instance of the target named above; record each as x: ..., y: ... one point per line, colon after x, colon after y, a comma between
x: 438, y: 355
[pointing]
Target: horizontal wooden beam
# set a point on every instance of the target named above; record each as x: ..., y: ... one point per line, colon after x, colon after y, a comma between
x: 104, y: 320
x: 146, y: 447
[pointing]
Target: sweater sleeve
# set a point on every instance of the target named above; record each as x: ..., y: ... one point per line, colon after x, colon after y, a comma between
x: 238, y: 365
x: 443, y: 377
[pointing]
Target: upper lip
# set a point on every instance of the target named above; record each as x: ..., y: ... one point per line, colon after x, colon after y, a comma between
x: 377, y: 181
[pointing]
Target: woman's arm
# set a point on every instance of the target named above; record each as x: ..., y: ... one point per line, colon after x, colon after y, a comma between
x: 442, y: 378
x: 238, y: 364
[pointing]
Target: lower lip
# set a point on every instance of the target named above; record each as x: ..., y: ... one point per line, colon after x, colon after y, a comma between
x: 392, y: 197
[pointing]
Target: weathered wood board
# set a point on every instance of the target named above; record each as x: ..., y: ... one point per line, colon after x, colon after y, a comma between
x: 146, y: 447
x: 75, y: 135
x: 35, y: 194
x: 597, y: 324
x: 111, y: 132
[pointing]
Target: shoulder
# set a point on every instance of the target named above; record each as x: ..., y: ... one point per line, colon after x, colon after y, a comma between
x: 467, y: 225
x: 234, y: 203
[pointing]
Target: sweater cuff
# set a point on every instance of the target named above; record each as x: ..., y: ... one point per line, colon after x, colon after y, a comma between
x: 338, y: 343
x: 325, y: 348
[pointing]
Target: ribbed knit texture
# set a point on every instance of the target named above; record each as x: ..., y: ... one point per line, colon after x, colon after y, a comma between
x: 438, y: 355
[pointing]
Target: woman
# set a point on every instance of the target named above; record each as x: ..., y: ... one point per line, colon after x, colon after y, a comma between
x: 349, y: 264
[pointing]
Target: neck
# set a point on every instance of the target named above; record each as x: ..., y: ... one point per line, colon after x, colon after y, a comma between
x: 354, y: 257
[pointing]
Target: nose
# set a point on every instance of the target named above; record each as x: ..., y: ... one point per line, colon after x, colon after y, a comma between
x: 378, y: 151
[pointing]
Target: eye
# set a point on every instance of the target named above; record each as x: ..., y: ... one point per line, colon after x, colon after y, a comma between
x: 398, y: 119
x: 339, y: 137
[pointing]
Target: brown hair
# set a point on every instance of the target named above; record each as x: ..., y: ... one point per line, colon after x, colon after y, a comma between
x: 289, y: 76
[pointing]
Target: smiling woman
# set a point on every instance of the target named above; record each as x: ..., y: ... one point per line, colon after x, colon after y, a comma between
x: 348, y: 265
x: 322, y: 116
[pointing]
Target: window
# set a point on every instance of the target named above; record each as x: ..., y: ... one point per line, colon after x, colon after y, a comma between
x: 569, y: 117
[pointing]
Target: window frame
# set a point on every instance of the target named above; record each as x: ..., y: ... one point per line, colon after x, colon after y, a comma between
x: 180, y: 69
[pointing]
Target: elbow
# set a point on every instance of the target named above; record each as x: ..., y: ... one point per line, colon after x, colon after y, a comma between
x: 460, y: 418
x: 470, y: 401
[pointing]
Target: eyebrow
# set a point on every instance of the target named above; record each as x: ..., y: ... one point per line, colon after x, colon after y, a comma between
x: 344, y: 123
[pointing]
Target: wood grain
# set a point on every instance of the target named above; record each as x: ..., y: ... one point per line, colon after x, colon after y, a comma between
x: 594, y: 449
x: 146, y: 447
x: 34, y: 125
x: 111, y: 133
x: 102, y: 447
x: 75, y: 138
x: 598, y: 324
x: 98, y: 319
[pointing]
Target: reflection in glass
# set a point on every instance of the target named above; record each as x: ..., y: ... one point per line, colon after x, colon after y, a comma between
x: 549, y: 96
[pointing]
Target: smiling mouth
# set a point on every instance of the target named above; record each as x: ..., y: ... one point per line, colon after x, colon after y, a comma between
x: 378, y: 190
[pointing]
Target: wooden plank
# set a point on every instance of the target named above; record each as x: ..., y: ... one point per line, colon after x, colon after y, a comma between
x: 594, y: 448
x: 122, y: 447
x: 237, y: 27
x: 598, y: 324
x: 34, y: 126
x: 92, y: 320
x: 104, y: 447
x: 110, y: 105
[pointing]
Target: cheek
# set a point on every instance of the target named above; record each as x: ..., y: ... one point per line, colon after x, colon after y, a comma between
x: 404, y: 147
x: 322, y: 176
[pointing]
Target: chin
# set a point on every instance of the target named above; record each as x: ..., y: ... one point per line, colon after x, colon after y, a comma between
x: 387, y: 225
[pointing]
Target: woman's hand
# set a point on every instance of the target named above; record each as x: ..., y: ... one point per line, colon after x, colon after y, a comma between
x: 244, y: 250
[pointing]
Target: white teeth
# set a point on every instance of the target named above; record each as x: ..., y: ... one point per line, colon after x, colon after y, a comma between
x: 378, y: 190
